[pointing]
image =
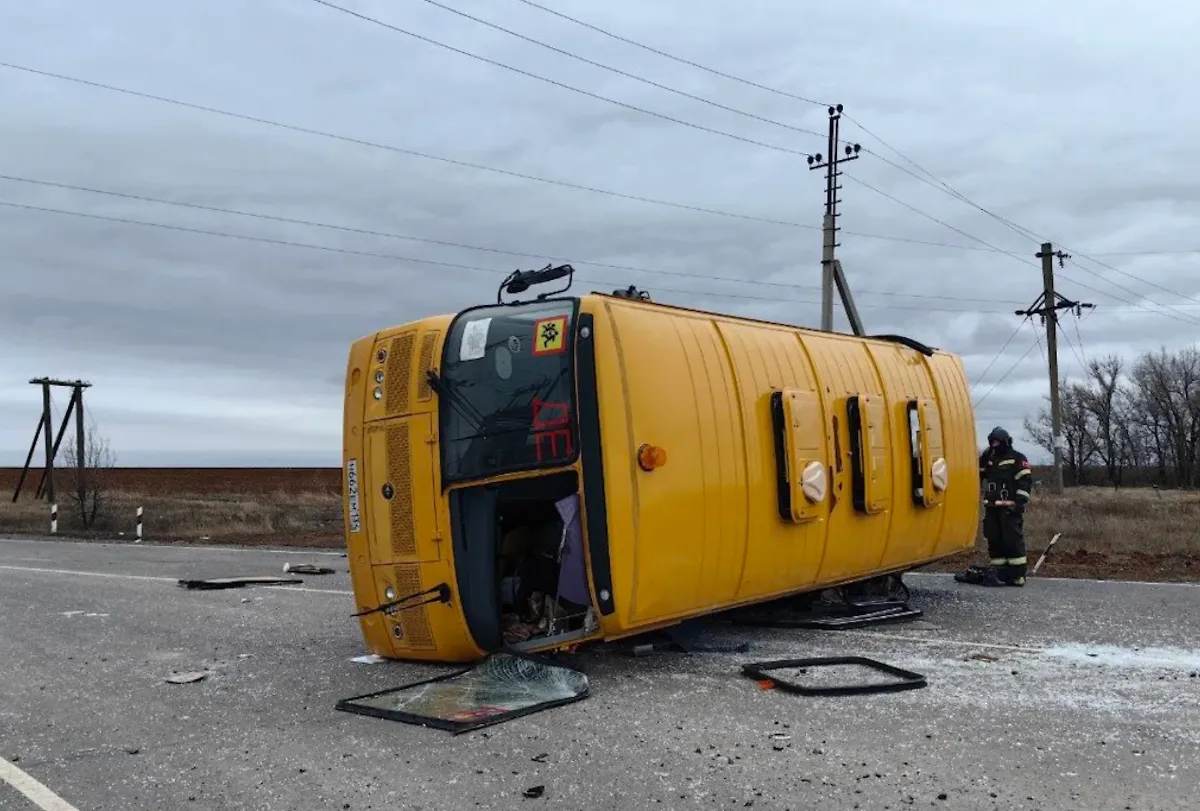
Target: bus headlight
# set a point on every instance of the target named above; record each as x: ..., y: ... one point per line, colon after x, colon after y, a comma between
x: 389, y: 594
x: 378, y: 393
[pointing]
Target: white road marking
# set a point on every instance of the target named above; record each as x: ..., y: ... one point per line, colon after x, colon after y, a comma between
x: 91, y: 574
x: 315, y: 591
x: 921, y: 640
x: 117, y: 576
x: 34, y: 791
x: 1032, y: 578
x: 298, y: 551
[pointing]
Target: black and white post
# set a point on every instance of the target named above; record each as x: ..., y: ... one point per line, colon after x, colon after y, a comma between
x: 53, y: 519
x: 138, y: 537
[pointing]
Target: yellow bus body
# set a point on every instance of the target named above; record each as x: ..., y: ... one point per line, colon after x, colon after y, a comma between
x: 787, y: 465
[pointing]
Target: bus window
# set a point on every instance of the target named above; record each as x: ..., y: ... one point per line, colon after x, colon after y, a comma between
x: 507, y: 387
x: 917, y: 464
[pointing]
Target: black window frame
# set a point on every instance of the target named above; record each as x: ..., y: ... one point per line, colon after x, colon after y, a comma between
x: 572, y: 372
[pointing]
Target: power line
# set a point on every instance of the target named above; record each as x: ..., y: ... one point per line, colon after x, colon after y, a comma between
x: 556, y: 83
x: 928, y: 216
x: 1164, y: 309
x: 565, y: 184
x: 1127, y: 274
x: 466, y: 164
x: 930, y: 179
x: 416, y: 260
x: 1176, y: 315
x: 941, y: 185
x: 998, y: 354
x: 1075, y: 352
x: 1169, y: 252
x: 933, y: 179
x: 463, y: 245
x: 679, y: 59
x: 617, y: 71
x: 1013, y: 368
x: 635, y: 78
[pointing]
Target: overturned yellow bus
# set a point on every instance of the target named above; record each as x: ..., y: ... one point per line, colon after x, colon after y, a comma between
x: 537, y: 474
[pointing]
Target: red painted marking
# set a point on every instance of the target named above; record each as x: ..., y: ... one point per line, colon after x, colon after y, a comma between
x: 551, y: 422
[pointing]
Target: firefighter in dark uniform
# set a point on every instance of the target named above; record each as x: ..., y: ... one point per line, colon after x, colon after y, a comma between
x: 1007, y: 479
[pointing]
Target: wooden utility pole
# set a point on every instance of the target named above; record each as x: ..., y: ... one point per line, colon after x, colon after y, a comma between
x: 830, y: 268
x: 1047, y: 306
x: 46, y: 430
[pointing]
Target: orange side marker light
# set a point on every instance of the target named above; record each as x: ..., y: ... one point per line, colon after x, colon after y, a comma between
x: 650, y: 457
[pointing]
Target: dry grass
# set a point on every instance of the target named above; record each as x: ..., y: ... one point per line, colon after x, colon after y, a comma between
x: 1106, y: 521
x: 309, y: 519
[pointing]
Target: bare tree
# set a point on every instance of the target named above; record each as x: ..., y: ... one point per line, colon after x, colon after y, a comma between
x: 1078, y: 432
x: 88, y: 491
x: 1168, y: 389
x: 1141, y: 421
x: 1101, y: 402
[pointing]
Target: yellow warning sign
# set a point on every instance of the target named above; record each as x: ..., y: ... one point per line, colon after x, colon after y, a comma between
x: 550, y: 335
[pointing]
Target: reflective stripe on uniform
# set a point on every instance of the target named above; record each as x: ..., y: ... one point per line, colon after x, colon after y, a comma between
x: 1007, y: 462
x: 1021, y: 561
x: 1025, y: 472
x: 999, y: 561
x: 1024, y: 493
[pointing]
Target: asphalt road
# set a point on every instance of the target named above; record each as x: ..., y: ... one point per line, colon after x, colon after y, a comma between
x: 1064, y: 695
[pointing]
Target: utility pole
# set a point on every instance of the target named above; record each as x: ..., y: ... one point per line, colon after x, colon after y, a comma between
x: 45, y: 430
x: 1047, y: 306
x: 830, y: 270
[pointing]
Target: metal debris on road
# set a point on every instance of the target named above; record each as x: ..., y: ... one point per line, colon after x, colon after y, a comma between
x: 905, y: 679
x: 306, y: 568
x: 238, y: 582
x: 190, y: 677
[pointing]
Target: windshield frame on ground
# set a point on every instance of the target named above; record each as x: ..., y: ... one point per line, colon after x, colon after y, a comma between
x: 455, y: 395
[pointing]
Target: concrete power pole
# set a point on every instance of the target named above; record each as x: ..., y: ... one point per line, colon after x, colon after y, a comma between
x: 829, y: 268
x: 1047, y: 306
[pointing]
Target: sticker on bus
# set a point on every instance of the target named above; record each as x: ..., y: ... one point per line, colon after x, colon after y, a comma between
x: 474, y: 339
x: 550, y: 335
x: 352, y: 492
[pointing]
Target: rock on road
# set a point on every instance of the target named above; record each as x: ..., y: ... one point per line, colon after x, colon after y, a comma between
x: 1064, y: 695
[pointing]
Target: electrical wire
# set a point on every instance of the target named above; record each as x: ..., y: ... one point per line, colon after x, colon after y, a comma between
x: 1075, y: 352
x: 929, y: 178
x: 679, y: 59
x: 1005, y: 376
x: 1164, y: 309
x: 999, y: 353
x: 620, y: 72
x: 566, y: 184
x: 466, y: 246
x: 1025, y: 232
x: 556, y: 83
x: 452, y: 265
x: 466, y: 164
x: 943, y: 223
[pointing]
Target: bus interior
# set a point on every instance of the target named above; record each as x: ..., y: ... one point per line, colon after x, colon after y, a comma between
x: 530, y: 587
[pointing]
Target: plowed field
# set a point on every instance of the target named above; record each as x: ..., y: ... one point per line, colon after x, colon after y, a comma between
x: 168, y: 481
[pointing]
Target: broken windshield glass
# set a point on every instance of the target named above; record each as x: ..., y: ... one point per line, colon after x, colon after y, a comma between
x: 502, y: 687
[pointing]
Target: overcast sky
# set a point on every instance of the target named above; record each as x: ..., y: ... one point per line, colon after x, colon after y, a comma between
x: 1069, y: 118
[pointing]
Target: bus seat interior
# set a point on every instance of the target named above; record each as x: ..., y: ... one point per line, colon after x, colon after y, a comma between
x: 540, y: 568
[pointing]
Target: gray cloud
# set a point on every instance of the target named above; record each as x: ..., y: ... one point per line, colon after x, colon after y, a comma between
x: 194, y: 340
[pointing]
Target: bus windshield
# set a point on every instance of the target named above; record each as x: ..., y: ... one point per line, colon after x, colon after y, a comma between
x: 507, y: 390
